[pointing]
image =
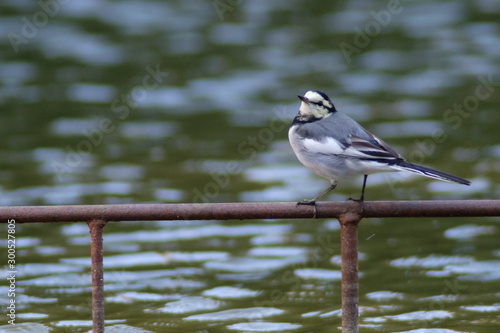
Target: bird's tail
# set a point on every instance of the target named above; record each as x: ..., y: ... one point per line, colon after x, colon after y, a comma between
x: 428, y: 172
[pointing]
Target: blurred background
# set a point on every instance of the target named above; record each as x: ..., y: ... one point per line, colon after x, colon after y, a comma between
x: 110, y: 102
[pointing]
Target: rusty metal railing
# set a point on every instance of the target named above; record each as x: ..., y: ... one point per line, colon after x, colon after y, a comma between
x: 348, y: 213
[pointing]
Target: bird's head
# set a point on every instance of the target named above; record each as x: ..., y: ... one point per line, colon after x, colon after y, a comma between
x: 315, y: 105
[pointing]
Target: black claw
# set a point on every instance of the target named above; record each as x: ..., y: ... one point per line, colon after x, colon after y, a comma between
x: 356, y: 200
x: 306, y: 203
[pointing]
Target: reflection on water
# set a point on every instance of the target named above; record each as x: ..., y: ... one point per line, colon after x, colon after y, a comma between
x: 153, y: 101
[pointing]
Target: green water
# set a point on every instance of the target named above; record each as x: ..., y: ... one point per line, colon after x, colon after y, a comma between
x: 106, y: 102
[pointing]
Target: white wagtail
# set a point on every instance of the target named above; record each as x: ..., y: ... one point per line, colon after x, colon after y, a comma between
x: 335, y: 147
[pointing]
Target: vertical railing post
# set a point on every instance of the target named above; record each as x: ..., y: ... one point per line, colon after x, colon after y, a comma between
x: 350, y: 288
x: 96, y: 227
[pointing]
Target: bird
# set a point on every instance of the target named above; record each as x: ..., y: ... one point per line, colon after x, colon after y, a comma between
x: 334, y: 146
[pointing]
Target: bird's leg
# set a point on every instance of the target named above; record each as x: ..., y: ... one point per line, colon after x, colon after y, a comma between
x: 313, y: 201
x: 362, y: 191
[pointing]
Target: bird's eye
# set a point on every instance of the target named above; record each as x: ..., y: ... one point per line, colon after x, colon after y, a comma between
x: 320, y: 103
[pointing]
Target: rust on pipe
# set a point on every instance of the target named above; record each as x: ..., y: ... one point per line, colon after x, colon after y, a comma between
x: 96, y: 227
x: 349, y: 265
x: 249, y: 210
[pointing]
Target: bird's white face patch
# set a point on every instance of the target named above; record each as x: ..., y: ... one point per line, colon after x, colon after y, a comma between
x: 316, y: 98
x: 313, y: 96
x: 312, y: 109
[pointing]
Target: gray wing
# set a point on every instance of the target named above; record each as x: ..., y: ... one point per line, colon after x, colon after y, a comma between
x: 352, y: 139
x: 357, y: 141
x: 373, y: 147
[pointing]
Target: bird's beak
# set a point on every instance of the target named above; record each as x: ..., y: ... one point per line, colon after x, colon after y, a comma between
x: 303, y: 99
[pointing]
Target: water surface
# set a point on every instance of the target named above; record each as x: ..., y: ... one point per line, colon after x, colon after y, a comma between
x: 107, y: 102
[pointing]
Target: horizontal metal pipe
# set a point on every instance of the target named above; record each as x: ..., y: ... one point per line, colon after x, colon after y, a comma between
x: 249, y: 210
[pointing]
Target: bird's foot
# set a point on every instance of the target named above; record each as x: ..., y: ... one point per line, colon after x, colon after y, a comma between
x: 307, y: 202
x: 356, y: 200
